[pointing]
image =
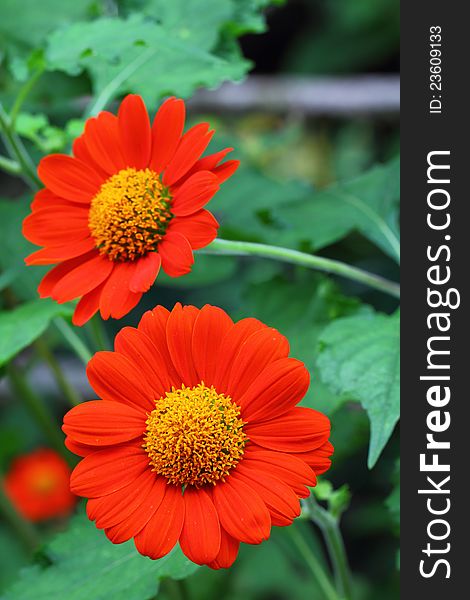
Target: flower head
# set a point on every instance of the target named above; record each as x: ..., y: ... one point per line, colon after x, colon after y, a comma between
x: 38, y: 485
x: 198, y: 438
x: 128, y: 202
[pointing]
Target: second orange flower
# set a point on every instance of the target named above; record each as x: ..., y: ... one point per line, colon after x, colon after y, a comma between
x: 130, y: 201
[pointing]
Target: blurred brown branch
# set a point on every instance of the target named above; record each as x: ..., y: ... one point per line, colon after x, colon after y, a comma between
x: 328, y: 96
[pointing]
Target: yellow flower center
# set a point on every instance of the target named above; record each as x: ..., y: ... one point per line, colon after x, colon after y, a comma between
x: 130, y: 214
x: 194, y: 436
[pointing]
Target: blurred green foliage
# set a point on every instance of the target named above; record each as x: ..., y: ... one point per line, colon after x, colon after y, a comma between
x: 81, y: 564
x: 327, y: 186
x: 347, y: 37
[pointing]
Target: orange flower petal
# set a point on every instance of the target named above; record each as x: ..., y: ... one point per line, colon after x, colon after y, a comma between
x: 298, y: 430
x: 78, y: 449
x: 82, y: 279
x: 260, y: 349
x: 167, y: 129
x: 134, y: 130
x: 318, y: 459
x: 145, y: 272
x: 69, y: 178
x: 281, y: 501
x: 88, y: 306
x: 136, y: 521
x: 209, y: 162
x: 63, y: 225
x: 200, y: 228
x: 223, y: 172
x: 153, y: 324
x: 230, y: 347
x: 46, y: 199
x: 146, y: 357
x: 241, y: 511
x: 55, y: 254
x: 290, y: 468
x: 228, y: 551
x: 107, y: 471
x: 103, y: 142
x: 200, y: 536
x: 112, y: 376
x: 278, y: 388
x: 103, y: 423
x: 194, y: 193
x: 50, y: 280
x: 179, y: 333
x: 162, y: 531
x: 192, y: 145
x: 116, y: 299
x: 176, y: 254
x: 210, y: 327
x: 114, y: 508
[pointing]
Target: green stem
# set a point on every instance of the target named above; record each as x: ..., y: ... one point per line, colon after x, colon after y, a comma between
x: 175, y: 589
x: 9, y: 166
x: 25, y: 531
x: 77, y: 345
x: 329, y: 527
x: 23, y: 94
x: 37, y: 409
x: 18, y: 151
x: 113, y: 86
x: 321, y: 577
x: 98, y: 334
x: 64, y: 386
x: 237, y: 248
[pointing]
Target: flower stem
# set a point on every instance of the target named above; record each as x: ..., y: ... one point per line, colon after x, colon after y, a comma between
x: 99, y: 334
x: 17, y: 150
x: 113, y: 86
x: 67, y: 390
x: 23, y: 94
x: 329, y: 527
x: 175, y: 589
x: 321, y: 577
x: 25, y: 531
x: 77, y: 345
x: 237, y: 248
x: 38, y: 410
x: 9, y: 166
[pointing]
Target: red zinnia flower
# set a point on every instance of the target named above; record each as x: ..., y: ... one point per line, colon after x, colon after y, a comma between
x: 38, y: 484
x: 129, y: 201
x: 197, y: 438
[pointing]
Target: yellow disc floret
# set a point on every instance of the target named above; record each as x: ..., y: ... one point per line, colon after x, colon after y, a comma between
x: 194, y: 436
x: 130, y: 214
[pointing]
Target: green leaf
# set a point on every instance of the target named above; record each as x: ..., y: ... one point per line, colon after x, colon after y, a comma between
x: 24, y: 27
x: 247, y: 16
x: 359, y: 358
x: 188, y: 21
x: 259, y: 208
x: 21, y: 326
x: 37, y: 129
x: 206, y: 270
x: 14, y: 248
x: 156, y: 62
x: 338, y: 500
x: 352, y: 36
x: 84, y: 564
x: 245, y: 203
x: 368, y: 203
